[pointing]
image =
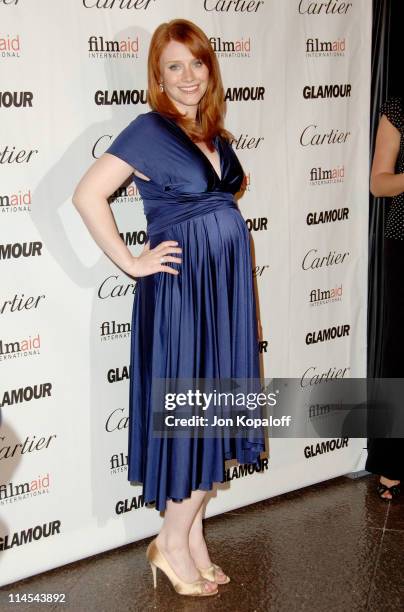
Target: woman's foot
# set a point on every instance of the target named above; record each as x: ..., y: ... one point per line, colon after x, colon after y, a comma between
x: 181, y: 561
x: 388, y: 488
x: 200, y: 555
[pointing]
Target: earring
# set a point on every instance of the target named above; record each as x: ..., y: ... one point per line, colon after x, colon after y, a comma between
x: 161, y: 87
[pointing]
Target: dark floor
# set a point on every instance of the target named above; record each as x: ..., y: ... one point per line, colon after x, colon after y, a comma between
x: 330, y: 547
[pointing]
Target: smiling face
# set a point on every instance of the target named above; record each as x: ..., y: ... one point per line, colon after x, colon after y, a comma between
x: 184, y: 77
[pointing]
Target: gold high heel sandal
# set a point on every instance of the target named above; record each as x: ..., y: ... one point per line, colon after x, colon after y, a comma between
x: 157, y: 560
x: 210, y: 574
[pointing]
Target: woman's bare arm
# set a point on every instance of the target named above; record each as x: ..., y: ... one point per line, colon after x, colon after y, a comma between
x: 90, y: 198
x: 383, y: 180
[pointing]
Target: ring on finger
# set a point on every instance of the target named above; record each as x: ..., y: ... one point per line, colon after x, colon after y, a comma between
x: 162, y: 260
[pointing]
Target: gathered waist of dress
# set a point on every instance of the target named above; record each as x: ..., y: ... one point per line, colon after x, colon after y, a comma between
x: 163, y: 214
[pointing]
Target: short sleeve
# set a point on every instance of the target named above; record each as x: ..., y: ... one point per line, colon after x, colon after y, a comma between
x: 132, y: 143
x: 393, y: 109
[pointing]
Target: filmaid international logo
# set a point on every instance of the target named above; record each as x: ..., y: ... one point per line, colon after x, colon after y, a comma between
x: 101, y: 48
x: 113, y: 330
x: 315, y: 47
x: 15, y: 202
x: 16, y: 348
x: 12, y: 492
x: 10, y: 46
x: 325, y: 176
x: 231, y: 48
x: 321, y: 296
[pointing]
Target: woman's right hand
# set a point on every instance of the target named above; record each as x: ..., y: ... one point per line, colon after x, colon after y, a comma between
x: 149, y: 260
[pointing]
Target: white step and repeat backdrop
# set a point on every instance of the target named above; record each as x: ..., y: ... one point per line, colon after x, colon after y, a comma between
x: 73, y: 74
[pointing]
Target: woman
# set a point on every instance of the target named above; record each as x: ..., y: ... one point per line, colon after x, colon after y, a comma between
x: 194, y: 309
x: 386, y: 455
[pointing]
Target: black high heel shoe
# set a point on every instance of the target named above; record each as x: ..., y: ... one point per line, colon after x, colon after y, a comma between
x: 394, y: 491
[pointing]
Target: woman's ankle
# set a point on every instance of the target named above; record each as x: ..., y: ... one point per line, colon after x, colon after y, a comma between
x: 171, y: 541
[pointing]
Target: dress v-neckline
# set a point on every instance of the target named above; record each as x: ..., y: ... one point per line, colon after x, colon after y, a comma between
x: 216, y: 147
x: 195, y: 146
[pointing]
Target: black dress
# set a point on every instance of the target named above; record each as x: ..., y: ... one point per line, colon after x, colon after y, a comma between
x: 386, y: 455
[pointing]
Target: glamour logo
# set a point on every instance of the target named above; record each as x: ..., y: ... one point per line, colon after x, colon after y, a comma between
x: 240, y: 471
x: 322, y: 176
x: 99, y: 47
x: 8, y: 155
x: 118, y: 463
x: 312, y: 377
x: 10, y: 491
x: 10, y: 46
x: 26, y: 394
x: 313, y: 92
x: 117, y: 375
x: 19, y: 303
x: 325, y: 447
x: 319, y: 297
x: 327, y: 216
x: 16, y: 98
x: 118, y: 4
x: 238, y: 6
x: 111, y: 330
x: 26, y: 536
x: 258, y: 224
x: 325, y: 48
x: 331, y: 7
x: 122, y: 96
x: 21, y: 448
x: 244, y: 94
x: 115, y: 421
x: 133, y: 238
x: 16, y: 202
x: 325, y: 335
x: 13, y: 349
x: 244, y: 141
x: 231, y: 48
x: 20, y: 249
x: 109, y: 288
x: 126, y: 505
x: 311, y: 137
x: 311, y: 261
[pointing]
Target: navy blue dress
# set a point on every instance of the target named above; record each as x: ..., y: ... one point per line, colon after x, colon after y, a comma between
x: 200, y: 323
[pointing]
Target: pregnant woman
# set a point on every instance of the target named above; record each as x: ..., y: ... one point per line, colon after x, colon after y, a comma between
x: 386, y: 455
x: 194, y: 311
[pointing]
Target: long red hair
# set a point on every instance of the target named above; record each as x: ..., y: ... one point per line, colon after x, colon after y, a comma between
x: 212, y: 107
